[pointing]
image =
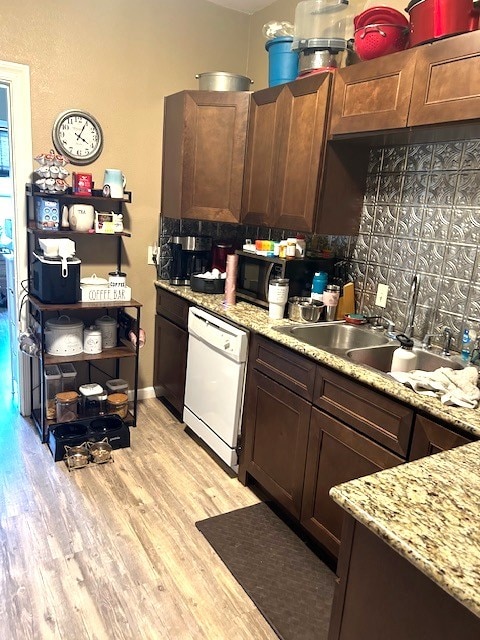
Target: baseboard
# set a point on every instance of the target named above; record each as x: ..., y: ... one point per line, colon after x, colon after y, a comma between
x: 144, y: 394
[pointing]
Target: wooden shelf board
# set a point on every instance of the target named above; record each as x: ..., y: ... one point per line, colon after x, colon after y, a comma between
x: 43, y: 306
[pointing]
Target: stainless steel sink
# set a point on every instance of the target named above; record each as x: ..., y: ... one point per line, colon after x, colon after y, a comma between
x: 335, y: 337
x: 380, y: 358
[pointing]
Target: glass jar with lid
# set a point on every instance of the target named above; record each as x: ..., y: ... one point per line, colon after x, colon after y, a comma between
x: 66, y: 403
x: 118, y: 403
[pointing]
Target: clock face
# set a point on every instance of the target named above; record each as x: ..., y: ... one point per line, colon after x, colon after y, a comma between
x: 77, y: 136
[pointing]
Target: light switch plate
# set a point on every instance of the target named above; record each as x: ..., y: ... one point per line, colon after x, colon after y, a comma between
x: 381, y: 298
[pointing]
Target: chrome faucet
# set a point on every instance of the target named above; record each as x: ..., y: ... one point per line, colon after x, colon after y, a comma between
x: 447, y: 341
x: 411, y: 305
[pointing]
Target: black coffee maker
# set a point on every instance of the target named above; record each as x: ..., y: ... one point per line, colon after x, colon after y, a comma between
x: 190, y: 254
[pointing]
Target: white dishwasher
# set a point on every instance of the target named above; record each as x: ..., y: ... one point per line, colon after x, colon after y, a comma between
x: 216, y: 362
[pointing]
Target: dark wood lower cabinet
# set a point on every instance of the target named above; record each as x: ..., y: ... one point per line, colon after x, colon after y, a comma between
x: 171, y: 344
x: 429, y: 437
x: 336, y: 454
x: 276, y: 423
x: 382, y: 596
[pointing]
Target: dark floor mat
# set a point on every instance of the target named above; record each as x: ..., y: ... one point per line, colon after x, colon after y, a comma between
x: 288, y: 583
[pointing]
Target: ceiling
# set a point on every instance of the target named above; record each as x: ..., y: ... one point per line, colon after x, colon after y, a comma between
x: 245, y: 6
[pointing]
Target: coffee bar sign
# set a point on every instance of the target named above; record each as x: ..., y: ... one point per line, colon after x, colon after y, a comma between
x: 106, y: 294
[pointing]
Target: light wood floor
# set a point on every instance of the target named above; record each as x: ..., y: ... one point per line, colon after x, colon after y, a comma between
x: 111, y: 551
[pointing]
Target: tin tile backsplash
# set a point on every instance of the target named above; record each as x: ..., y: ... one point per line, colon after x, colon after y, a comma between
x: 419, y: 216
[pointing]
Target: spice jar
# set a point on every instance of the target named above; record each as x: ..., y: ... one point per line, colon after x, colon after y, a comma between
x: 67, y: 406
x: 291, y: 247
x: 118, y: 403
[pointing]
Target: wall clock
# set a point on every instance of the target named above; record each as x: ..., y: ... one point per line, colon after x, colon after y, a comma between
x: 78, y: 136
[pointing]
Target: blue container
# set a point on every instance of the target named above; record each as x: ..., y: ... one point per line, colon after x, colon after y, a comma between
x: 282, y: 61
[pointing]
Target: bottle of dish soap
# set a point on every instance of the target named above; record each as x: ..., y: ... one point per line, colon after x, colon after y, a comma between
x: 403, y: 358
x: 466, y: 343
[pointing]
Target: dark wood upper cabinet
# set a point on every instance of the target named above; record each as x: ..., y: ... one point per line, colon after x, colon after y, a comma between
x: 293, y: 179
x: 263, y: 131
x: 204, y: 142
x: 304, y: 109
x: 373, y: 95
x: 285, y: 151
x: 447, y: 81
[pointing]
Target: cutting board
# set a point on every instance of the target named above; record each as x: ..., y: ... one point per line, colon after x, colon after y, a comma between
x: 346, y: 303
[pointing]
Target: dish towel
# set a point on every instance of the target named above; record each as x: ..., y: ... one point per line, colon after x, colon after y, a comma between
x: 452, y: 387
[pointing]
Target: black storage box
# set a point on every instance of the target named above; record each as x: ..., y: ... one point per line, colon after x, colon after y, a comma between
x: 49, y: 285
x: 95, y: 429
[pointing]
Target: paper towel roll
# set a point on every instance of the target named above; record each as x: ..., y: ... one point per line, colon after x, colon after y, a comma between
x: 231, y: 281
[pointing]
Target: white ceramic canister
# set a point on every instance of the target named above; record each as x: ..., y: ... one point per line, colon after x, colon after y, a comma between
x: 108, y: 327
x: 117, y: 279
x: 63, y: 336
x: 92, y: 340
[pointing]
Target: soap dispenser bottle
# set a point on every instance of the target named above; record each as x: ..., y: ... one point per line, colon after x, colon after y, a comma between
x: 466, y: 345
x: 403, y: 358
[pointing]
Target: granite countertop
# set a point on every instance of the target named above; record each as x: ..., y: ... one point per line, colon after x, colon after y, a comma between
x: 428, y: 511
x: 256, y: 319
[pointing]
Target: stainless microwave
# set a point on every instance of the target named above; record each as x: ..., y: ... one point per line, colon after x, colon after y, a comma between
x: 255, y: 272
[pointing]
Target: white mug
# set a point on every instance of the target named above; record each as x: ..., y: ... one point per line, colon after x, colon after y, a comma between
x: 114, y: 183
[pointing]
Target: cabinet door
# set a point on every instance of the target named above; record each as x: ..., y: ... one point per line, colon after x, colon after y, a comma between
x: 171, y: 343
x: 336, y: 454
x: 373, y: 95
x: 275, y: 434
x: 204, y: 154
x: 447, y: 81
x: 260, y: 160
x: 173, y: 307
x: 429, y: 437
x: 303, y: 109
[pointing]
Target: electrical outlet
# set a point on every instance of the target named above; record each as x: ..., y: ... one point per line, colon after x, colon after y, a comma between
x: 381, y: 298
x: 150, y: 251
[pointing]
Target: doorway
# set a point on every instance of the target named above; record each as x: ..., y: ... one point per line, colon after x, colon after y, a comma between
x: 16, y: 160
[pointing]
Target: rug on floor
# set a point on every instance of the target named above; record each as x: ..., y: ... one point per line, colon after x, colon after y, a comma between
x: 286, y: 580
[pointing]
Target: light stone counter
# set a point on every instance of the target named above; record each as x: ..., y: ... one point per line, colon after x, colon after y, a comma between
x: 256, y: 319
x: 429, y: 512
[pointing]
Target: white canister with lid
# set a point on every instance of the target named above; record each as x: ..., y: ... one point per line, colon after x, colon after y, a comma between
x: 117, y: 279
x: 63, y: 336
x: 92, y: 340
x: 108, y: 327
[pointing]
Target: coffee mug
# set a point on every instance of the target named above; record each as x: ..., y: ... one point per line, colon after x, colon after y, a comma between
x: 114, y: 183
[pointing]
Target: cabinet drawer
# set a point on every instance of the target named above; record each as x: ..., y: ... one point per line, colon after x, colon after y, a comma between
x: 173, y: 307
x: 285, y: 366
x: 384, y: 420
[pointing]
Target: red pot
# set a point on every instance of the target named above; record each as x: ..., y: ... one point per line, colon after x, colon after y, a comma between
x: 434, y: 19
